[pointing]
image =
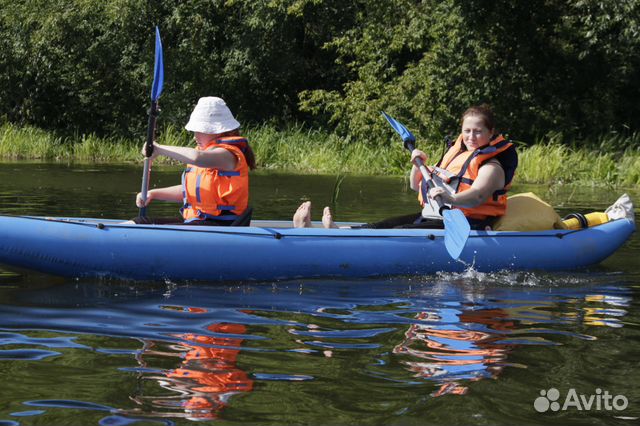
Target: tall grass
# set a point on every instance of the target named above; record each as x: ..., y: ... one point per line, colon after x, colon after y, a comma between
x: 30, y: 143
x: 312, y: 151
x: 609, y: 162
x: 614, y: 162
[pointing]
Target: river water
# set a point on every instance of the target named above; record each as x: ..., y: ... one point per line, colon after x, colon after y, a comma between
x: 470, y: 348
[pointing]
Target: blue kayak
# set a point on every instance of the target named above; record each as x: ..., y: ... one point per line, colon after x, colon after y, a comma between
x: 271, y: 250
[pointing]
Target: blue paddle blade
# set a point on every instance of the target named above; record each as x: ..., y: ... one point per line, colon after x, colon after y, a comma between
x: 158, y: 70
x: 404, y: 133
x: 457, y: 231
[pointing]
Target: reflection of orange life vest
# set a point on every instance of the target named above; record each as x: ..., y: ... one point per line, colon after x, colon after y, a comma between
x: 211, y: 365
x: 465, y: 164
x: 213, y: 193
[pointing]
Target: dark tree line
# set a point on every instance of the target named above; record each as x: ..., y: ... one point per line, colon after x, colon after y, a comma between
x: 568, y: 66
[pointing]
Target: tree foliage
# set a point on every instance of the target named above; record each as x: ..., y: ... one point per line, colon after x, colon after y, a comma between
x: 86, y: 64
x: 545, y: 66
x: 568, y: 66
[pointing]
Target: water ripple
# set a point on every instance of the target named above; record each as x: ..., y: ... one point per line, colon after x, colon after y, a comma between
x: 26, y: 354
x: 340, y: 334
x: 62, y: 403
x: 282, y: 377
x: 28, y: 413
x: 191, y: 352
x: 49, y: 342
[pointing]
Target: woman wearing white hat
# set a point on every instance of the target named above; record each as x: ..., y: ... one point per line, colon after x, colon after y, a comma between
x: 215, y: 184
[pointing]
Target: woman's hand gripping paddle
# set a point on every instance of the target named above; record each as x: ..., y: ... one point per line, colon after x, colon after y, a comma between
x: 156, y: 90
x: 456, y: 225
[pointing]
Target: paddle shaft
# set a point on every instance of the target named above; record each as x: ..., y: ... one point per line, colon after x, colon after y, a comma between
x: 148, y: 150
x: 426, y: 177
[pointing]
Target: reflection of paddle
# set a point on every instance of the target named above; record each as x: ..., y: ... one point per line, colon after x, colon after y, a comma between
x: 456, y: 226
x: 156, y: 90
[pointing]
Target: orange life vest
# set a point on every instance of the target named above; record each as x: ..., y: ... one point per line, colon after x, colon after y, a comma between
x: 217, y: 194
x: 465, y: 164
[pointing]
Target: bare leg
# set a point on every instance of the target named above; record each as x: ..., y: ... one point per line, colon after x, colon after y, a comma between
x: 327, y: 219
x: 302, y: 216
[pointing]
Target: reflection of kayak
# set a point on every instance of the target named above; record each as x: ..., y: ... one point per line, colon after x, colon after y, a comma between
x: 268, y: 250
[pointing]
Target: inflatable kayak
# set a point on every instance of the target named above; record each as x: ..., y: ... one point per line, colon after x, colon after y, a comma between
x: 270, y: 250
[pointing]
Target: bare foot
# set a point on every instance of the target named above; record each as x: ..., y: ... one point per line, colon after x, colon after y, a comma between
x: 302, y: 216
x: 327, y: 219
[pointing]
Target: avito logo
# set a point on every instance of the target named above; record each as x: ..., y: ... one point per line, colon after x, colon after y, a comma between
x: 549, y: 400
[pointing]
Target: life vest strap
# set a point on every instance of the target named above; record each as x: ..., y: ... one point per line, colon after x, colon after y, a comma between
x: 444, y: 174
x: 198, y: 180
x: 230, y: 141
x: 183, y: 180
x: 220, y: 172
x: 220, y: 207
x: 241, y: 143
x: 493, y: 148
x: 498, y: 193
x: 466, y: 180
x: 204, y: 216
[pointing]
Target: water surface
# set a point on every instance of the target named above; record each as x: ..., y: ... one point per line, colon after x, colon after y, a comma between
x: 440, y: 349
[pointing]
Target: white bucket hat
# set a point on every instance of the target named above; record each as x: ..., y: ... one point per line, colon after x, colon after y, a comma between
x: 212, y: 116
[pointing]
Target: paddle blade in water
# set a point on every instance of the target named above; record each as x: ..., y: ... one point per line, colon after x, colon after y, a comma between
x: 457, y: 231
x: 158, y: 70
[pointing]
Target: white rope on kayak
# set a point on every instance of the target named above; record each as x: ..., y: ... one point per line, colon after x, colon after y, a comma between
x: 270, y: 232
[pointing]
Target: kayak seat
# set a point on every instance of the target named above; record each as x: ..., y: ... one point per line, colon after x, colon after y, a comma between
x: 244, y: 219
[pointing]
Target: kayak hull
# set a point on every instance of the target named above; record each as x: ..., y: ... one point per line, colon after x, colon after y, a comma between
x: 108, y: 248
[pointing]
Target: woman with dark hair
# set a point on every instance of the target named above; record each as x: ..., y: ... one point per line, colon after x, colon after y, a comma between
x: 474, y: 176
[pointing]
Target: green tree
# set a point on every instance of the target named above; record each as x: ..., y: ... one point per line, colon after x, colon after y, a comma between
x: 85, y: 64
x: 568, y: 66
x: 74, y: 65
x: 545, y: 65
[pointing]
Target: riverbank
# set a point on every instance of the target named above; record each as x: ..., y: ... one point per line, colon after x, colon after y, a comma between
x: 312, y: 151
